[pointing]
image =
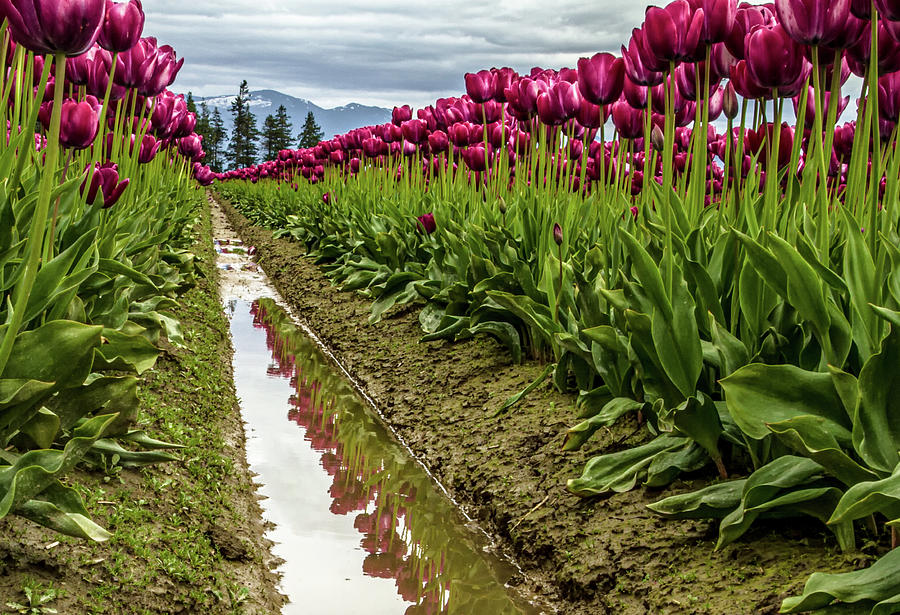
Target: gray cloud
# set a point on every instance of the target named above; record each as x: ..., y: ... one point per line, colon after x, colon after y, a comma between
x: 377, y: 51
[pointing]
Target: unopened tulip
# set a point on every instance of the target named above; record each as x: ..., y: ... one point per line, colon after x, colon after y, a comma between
x: 730, y: 102
x: 122, y: 25
x: 54, y: 26
x: 557, y: 234
x: 426, y: 223
x: 657, y: 139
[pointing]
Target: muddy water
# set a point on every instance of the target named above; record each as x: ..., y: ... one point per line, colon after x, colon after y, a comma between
x: 360, y: 525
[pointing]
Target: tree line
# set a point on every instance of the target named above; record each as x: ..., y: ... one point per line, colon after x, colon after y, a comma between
x: 246, y: 142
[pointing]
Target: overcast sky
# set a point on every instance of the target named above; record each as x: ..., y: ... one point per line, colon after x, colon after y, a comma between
x: 378, y: 52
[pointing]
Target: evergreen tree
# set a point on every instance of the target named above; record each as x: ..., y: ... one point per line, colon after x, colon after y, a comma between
x: 191, y: 105
x: 242, y: 149
x: 312, y: 133
x: 202, y: 127
x: 285, y: 128
x: 270, y: 138
x: 215, y: 146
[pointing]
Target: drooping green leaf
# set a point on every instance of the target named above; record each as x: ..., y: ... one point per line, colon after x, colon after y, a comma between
x: 712, y: 502
x: 876, y: 430
x: 879, y: 582
x: 759, y: 394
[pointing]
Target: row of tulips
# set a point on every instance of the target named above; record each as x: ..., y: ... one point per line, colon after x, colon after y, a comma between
x: 736, y: 289
x: 96, y: 209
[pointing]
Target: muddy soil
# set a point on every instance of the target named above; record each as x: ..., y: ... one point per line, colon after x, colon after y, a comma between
x: 592, y: 556
x: 188, y: 536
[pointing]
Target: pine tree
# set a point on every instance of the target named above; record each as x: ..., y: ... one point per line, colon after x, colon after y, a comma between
x: 191, y: 105
x: 270, y: 138
x: 216, y: 144
x: 202, y: 127
x: 242, y: 149
x: 312, y: 133
x: 285, y: 128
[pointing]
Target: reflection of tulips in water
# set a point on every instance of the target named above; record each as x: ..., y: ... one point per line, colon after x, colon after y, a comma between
x: 404, y: 533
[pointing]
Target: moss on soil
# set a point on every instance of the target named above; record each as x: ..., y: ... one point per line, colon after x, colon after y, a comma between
x: 592, y: 556
x: 187, y: 535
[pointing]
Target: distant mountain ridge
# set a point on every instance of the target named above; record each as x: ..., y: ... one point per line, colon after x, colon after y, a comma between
x: 335, y: 121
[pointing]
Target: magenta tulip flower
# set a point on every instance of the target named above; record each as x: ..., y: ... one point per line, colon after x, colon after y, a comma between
x: 813, y: 22
x: 480, y: 86
x: 55, y: 26
x: 590, y: 115
x: 673, y: 33
x: 426, y: 223
x: 80, y: 121
x: 504, y: 77
x: 600, y: 78
x: 888, y: 52
x: 415, y: 131
x: 635, y: 95
x: 401, y: 114
x: 477, y: 157
x: 203, y: 174
x: 438, y: 141
x: 559, y: 103
x: 774, y: 60
x: 718, y: 19
x: 122, y: 25
x: 635, y: 69
x: 627, y: 120
x: 149, y: 148
x: 191, y: 147
x: 889, y: 96
x: 747, y: 18
x: 148, y: 68
x: 106, y: 180
x: 888, y: 9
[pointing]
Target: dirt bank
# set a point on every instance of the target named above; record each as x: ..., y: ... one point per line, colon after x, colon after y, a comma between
x: 187, y: 535
x: 586, y: 556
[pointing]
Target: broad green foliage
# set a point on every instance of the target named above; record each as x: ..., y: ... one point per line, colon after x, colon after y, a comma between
x: 85, y: 294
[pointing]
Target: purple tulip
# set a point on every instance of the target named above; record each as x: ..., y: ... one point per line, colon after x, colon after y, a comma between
x: 98, y: 75
x: 888, y: 9
x: 747, y: 18
x: 504, y: 77
x: 718, y: 19
x: 55, y: 26
x: 773, y: 59
x: 888, y: 52
x: 191, y: 147
x: 426, y: 223
x: 590, y: 115
x: 600, y: 78
x: 438, y: 141
x: 557, y: 234
x: 401, y: 114
x: 415, y: 131
x: 627, y: 120
x: 148, y: 68
x: 477, y: 157
x: 730, y: 101
x: 203, y: 174
x: 149, y: 148
x: 813, y: 22
x: 889, y: 96
x: 105, y: 179
x: 122, y: 26
x: 480, y: 86
x: 811, y: 105
x: 559, y: 103
x: 673, y: 33
x: 80, y: 121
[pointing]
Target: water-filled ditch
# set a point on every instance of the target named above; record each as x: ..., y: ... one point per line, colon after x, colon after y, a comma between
x: 360, y: 525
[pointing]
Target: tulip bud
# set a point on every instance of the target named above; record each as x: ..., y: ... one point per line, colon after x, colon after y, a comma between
x: 426, y: 223
x: 657, y: 138
x: 557, y: 234
x: 501, y: 205
x: 730, y: 102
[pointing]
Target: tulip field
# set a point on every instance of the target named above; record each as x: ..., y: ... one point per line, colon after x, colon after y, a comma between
x: 700, y: 234
x: 649, y: 228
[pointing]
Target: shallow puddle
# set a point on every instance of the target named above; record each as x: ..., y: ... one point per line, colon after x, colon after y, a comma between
x: 360, y: 525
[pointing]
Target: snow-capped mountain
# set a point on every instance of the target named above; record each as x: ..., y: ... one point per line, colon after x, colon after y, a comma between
x: 332, y: 121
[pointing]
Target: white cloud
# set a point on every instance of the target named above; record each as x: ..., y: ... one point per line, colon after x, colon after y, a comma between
x: 377, y: 51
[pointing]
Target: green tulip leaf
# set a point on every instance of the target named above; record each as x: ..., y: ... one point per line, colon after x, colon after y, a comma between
x: 609, y: 414
x: 712, y: 502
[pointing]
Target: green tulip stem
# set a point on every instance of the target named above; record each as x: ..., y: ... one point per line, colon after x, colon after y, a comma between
x: 39, y: 219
